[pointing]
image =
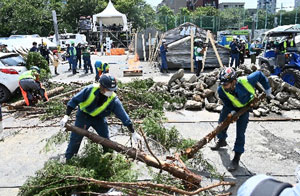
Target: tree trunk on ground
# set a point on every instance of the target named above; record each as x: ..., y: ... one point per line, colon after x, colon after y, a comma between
x: 49, y: 93
x: 173, y: 169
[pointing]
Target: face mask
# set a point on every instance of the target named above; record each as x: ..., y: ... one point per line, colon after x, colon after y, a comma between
x: 108, y: 93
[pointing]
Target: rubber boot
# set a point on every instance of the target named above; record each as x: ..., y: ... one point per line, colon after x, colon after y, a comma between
x: 198, y: 72
x: 235, y: 162
x: 55, y: 70
x: 220, y: 143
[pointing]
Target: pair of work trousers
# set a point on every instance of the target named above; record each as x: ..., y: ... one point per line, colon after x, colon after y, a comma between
x: 235, y: 58
x: 87, y: 64
x: 241, y: 126
x: 85, y: 121
x: 79, y: 60
x: 73, y: 61
x: 253, y: 59
x: 28, y: 86
x: 198, y: 66
x: 164, y: 65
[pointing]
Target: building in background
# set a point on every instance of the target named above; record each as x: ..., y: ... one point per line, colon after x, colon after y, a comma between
x: 175, y: 5
x: 226, y: 5
x: 297, y: 3
x: 205, y: 3
x: 190, y: 4
x: 269, y: 5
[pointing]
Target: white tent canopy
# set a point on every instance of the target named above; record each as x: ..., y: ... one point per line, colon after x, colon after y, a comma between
x: 110, y: 16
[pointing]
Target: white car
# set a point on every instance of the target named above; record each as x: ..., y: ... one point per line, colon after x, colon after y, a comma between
x: 12, y: 65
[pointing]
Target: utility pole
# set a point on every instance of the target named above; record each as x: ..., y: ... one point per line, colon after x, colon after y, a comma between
x: 256, y: 25
x: 55, y: 26
x: 280, y: 14
x: 296, y: 15
x: 253, y: 27
x: 266, y: 21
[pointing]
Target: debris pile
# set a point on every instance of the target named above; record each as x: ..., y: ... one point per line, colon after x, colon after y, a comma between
x: 179, y: 47
x: 201, y: 92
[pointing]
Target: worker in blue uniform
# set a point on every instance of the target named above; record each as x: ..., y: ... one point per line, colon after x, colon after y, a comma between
x: 73, y: 57
x: 95, y: 102
x: 163, y: 55
x: 101, y: 68
x: 235, y: 52
x: 236, y: 93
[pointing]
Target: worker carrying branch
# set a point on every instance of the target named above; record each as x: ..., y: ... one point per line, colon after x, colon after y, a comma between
x: 235, y: 94
x: 31, y: 87
x: 101, y: 68
x: 95, y: 102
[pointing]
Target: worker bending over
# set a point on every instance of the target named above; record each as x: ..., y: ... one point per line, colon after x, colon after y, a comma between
x: 31, y: 87
x: 101, y: 68
x: 236, y: 93
x: 95, y: 102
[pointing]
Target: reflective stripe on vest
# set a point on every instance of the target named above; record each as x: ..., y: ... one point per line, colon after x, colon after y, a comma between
x: 90, y: 100
x: 27, y: 75
x: 247, y: 86
x: 285, y: 45
x: 103, y: 68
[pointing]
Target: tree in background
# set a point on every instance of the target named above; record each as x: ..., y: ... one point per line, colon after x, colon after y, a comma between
x: 165, y: 18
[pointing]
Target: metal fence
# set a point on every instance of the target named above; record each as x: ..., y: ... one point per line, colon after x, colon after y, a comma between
x: 217, y: 23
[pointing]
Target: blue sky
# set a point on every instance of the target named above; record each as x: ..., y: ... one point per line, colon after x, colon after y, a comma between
x: 248, y: 3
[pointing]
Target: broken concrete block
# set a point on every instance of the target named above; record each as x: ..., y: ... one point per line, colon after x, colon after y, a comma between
x: 176, y: 76
x: 192, y: 79
x: 193, y: 105
x: 256, y: 113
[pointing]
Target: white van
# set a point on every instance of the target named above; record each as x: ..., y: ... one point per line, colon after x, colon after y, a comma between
x: 68, y: 37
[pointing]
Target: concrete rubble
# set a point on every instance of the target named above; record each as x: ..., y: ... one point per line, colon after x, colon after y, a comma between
x: 201, y: 92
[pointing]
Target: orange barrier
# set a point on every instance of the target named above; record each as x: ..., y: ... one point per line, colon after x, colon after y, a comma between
x: 116, y: 51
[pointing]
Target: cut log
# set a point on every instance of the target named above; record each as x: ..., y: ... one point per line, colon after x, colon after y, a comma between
x: 190, y: 152
x: 49, y: 93
x: 178, y: 42
x: 173, y: 169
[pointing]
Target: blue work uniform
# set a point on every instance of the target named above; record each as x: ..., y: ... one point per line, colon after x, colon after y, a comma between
x: 243, y: 95
x: 163, y: 55
x: 85, y: 120
x: 101, y: 68
x: 234, y: 54
x: 73, y: 58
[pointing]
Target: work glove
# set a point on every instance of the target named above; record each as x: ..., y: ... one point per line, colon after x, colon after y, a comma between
x: 136, y: 137
x: 232, y: 113
x: 64, y: 121
x: 269, y: 93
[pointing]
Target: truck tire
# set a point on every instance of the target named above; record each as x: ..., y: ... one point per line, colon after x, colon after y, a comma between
x: 4, y: 94
x: 291, y: 76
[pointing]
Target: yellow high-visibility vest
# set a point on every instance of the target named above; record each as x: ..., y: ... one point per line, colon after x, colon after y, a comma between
x: 235, y: 102
x: 91, y: 98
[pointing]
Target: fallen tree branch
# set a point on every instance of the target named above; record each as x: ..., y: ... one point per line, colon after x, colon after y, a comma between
x: 153, y: 185
x: 149, y: 149
x: 141, y: 156
x: 49, y: 93
x: 190, y: 152
x: 67, y: 93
